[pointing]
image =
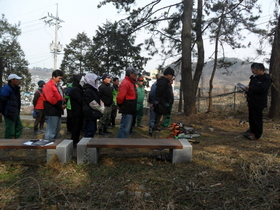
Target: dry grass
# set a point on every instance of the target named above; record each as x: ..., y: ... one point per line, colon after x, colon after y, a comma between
x: 227, y: 172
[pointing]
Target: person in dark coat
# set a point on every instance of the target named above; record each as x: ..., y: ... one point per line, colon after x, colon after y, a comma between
x: 92, y: 109
x: 163, y: 99
x: 10, y: 105
x: 106, y: 96
x: 151, y: 99
x: 257, y: 92
x: 76, y: 100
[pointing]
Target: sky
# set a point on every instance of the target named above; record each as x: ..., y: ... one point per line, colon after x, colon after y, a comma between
x: 84, y: 16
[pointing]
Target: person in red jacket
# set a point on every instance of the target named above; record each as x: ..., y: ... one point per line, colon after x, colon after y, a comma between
x: 127, y: 101
x: 38, y: 103
x: 54, y: 105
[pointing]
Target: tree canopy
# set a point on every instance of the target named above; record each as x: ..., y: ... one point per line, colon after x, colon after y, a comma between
x: 12, y: 58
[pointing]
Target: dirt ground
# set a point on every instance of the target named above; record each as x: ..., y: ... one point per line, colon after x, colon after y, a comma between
x: 227, y: 172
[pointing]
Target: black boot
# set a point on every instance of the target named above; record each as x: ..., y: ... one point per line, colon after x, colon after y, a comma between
x: 106, y: 131
x: 101, y: 132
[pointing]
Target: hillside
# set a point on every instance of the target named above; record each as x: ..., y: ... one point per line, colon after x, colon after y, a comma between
x: 239, y: 72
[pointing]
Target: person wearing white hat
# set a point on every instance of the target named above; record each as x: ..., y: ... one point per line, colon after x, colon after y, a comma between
x: 10, y: 107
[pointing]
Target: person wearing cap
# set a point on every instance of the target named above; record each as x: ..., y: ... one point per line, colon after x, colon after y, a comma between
x: 140, y: 99
x: 106, y: 96
x: 11, y: 104
x: 163, y: 99
x: 54, y: 105
x: 38, y: 103
x: 127, y: 101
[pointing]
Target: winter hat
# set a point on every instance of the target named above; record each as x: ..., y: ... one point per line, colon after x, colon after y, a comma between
x: 130, y: 70
x: 140, y: 78
x: 41, y: 83
x: 168, y: 71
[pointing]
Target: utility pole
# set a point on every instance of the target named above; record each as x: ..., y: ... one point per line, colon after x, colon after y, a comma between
x: 55, y: 46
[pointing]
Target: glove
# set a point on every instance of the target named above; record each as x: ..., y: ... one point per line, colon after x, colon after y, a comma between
x: 94, y: 105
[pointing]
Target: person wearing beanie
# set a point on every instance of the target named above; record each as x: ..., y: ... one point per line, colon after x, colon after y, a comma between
x: 106, y: 96
x: 10, y: 107
x: 38, y: 104
x: 163, y: 99
x: 256, y: 93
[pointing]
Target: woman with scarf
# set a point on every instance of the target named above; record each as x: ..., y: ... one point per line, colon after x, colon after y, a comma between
x: 92, y: 109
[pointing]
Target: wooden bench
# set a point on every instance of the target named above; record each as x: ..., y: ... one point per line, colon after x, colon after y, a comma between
x: 88, y: 149
x: 62, y: 148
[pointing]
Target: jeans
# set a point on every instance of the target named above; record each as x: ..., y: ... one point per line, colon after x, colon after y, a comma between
x: 152, y: 120
x: 53, y: 127
x: 90, y: 128
x: 125, y: 126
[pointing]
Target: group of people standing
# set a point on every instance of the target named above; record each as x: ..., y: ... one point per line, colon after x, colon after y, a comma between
x: 90, y: 101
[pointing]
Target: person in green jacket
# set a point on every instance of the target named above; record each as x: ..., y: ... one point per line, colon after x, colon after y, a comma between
x: 140, y: 99
x: 115, y: 90
x: 69, y: 123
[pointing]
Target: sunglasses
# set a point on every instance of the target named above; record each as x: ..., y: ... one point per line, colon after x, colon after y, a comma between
x: 140, y: 80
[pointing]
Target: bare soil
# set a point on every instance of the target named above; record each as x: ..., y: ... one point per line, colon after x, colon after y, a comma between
x: 227, y: 172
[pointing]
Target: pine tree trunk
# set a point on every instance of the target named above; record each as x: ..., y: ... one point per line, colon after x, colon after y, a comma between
x: 274, y: 70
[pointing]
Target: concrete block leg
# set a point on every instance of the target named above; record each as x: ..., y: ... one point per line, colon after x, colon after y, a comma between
x: 50, y: 153
x: 182, y: 155
x: 64, y: 151
x: 86, y: 155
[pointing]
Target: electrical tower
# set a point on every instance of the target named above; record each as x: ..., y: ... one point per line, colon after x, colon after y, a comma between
x: 55, y: 46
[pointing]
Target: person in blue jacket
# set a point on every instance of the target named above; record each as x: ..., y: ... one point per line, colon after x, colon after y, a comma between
x: 10, y: 107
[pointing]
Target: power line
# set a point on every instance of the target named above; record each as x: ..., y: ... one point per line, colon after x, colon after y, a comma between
x: 32, y: 30
x: 40, y: 60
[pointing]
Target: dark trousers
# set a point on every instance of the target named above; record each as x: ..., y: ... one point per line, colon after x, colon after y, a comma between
x: 256, y: 121
x: 78, y: 123
x: 113, y: 115
x: 69, y: 122
x: 40, y: 119
x: 158, y: 122
x: 90, y: 128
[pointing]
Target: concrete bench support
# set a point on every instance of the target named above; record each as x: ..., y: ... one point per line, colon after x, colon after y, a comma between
x: 85, y: 154
x: 64, y: 151
x: 88, y: 149
x: 182, y: 155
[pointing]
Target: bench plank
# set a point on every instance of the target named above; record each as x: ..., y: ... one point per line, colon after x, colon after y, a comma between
x: 18, y: 144
x: 134, y: 143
